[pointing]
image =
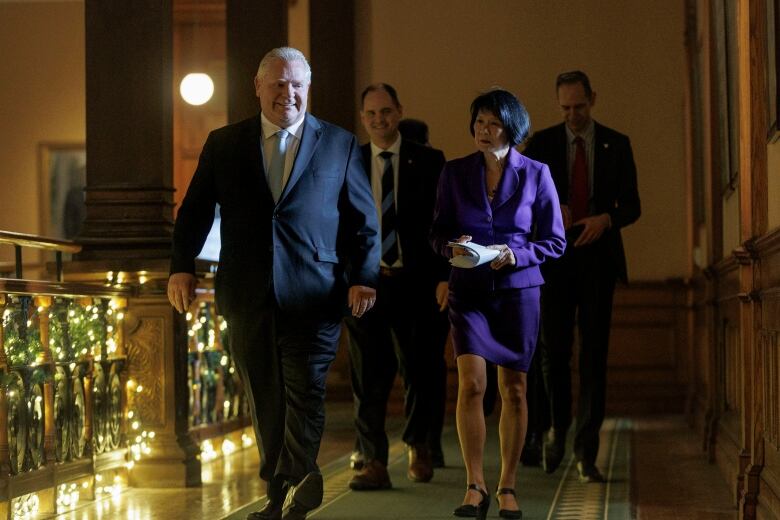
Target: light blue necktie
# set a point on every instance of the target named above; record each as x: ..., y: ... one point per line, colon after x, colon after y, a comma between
x: 276, y: 166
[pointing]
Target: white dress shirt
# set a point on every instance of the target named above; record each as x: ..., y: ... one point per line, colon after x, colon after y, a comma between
x: 268, y: 141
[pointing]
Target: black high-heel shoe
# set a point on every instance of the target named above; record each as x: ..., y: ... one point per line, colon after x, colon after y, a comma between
x: 478, y: 511
x: 508, y: 513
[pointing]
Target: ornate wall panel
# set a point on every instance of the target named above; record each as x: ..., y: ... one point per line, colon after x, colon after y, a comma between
x: 145, y: 335
x: 648, y: 357
x: 769, y: 363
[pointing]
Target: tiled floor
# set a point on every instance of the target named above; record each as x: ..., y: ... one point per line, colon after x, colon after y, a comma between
x: 672, y: 479
x: 667, y: 478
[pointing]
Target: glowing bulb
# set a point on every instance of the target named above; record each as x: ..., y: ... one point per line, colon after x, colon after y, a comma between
x: 196, y: 88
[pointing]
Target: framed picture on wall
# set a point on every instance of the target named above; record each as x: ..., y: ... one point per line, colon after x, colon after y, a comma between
x: 773, y: 68
x: 62, y: 178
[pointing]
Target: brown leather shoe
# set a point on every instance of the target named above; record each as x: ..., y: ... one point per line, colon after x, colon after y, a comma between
x: 420, y: 464
x: 373, y: 476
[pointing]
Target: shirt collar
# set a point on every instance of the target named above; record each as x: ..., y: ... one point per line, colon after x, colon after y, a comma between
x: 395, y: 148
x: 587, y: 134
x: 270, y: 129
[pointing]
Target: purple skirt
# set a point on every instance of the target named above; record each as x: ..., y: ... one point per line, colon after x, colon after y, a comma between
x: 501, y: 327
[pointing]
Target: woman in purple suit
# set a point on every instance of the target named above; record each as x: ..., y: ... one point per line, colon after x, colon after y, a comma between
x: 497, y: 198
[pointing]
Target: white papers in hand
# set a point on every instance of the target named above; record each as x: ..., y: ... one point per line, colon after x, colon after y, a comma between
x: 475, y: 255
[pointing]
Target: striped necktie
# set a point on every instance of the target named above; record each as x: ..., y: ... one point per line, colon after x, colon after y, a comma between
x: 389, y: 237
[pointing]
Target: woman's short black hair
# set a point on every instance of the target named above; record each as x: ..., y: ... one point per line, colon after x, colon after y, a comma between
x: 508, y: 109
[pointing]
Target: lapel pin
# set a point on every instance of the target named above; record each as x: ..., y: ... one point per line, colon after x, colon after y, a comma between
x: 606, y: 145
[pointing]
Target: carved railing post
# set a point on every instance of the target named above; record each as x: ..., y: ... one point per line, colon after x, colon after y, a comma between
x: 89, y: 448
x: 47, y: 360
x: 5, y: 453
x: 156, y: 346
x: 222, y: 370
x: 119, y: 306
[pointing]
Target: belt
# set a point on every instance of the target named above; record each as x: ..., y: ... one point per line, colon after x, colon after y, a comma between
x: 390, y: 271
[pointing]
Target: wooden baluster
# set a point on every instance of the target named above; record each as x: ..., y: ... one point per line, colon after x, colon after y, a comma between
x: 119, y: 305
x: 220, y: 392
x: 43, y: 303
x: 88, y: 382
x: 88, y: 408
x: 5, y: 452
x: 3, y: 356
x: 120, y: 308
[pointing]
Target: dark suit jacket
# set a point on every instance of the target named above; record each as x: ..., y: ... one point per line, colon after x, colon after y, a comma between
x: 524, y: 214
x: 320, y: 238
x: 614, y: 180
x: 418, y: 175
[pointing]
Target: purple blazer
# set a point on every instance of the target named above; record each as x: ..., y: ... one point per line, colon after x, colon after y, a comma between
x: 524, y: 214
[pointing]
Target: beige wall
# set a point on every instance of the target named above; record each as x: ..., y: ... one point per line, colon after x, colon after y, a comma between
x: 41, y: 99
x: 441, y: 53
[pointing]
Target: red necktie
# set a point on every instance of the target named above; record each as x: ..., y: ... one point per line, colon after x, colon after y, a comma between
x: 579, y: 192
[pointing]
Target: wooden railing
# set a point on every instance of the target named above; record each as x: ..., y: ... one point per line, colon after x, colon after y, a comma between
x: 217, y: 401
x: 70, y: 425
x: 62, y: 393
x: 20, y: 240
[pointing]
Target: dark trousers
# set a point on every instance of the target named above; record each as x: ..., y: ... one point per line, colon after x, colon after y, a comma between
x: 578, y: 291
x: 406, y: 332
x: 283, y: 360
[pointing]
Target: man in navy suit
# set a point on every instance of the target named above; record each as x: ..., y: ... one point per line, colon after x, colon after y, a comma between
x: 299, y: 245
x: 595, y: 176
x: 407, y: 329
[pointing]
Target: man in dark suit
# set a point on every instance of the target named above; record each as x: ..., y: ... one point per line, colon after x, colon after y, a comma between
x: 299, y: 245
x: 594, y: 173
x: 407, y: 329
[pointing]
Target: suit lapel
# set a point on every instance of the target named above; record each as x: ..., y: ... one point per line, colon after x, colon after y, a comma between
x: 405, y: 166
x: 560, y: 170
x: 365, y: 151
x: 475, y: 181
x: 312, y: 131
x: 510, y: 179
x: 601, y: 147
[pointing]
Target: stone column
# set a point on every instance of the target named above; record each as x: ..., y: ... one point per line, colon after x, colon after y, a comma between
x: 253, y: 28
x: 332, y: 36
x: 129, y: 64
x: 129, y: 224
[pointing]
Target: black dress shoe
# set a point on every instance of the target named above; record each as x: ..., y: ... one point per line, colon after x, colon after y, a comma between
x: 554, y: 449
x: 304, y: 497
x: 272, y: 510
x: 515, y: 514
x: 478, y: 511
x: 356, y: 460
x: 437, y: 457
x: 532, y: 451
x: 589, y: 473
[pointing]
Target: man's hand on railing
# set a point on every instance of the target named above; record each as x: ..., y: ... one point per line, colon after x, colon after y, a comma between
x: 181, y: 290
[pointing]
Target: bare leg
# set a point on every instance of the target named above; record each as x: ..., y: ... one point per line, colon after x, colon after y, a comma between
x: 471, y: 421
x: 512, y: 428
